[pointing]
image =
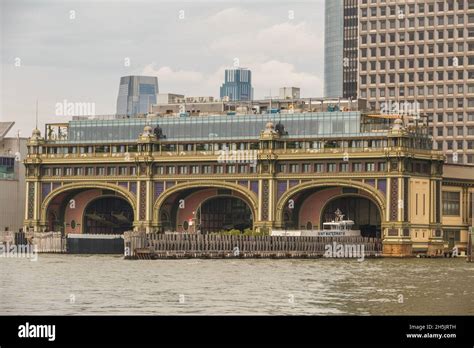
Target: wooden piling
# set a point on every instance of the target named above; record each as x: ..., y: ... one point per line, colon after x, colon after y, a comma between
x: 163, y: 246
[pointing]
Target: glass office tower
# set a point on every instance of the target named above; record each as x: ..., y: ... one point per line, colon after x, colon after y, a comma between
x: 333, y: 48
x: 340, y: 49
x: 237, y: 84
x: 136, y: 95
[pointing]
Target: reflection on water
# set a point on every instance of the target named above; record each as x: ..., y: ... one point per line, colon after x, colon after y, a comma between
x: 68, y: 284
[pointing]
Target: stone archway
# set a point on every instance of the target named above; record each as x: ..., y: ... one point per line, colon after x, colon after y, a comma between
x: 245, y: 194
x: 224, y: 212
x: 366, y: 189
x: 82, y: 187
x: 107, y: 214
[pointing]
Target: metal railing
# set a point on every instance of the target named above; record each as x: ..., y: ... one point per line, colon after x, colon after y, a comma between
x: 165, y: 153
x: 106, y: 117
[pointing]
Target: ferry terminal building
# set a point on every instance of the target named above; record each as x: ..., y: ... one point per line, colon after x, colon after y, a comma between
x: 276, y: 171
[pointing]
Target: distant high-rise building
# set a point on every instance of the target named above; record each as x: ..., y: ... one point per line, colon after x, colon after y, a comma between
x: 136, y: 95
x: 333, y: 48
x: 237, y: 85
x: 340, y: 49
x: 401, y: 54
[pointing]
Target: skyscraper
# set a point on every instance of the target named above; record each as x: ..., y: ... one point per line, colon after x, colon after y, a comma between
x: 350, y: 53
x: 413, y: 53
x: 237, y: 84
x: 421, y: 53
x: 340, y: 49
x: 136, y: 94
x: 333, y: 48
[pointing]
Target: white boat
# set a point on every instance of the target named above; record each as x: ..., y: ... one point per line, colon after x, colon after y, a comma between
x: 342, y: 228
x: 335, y: 228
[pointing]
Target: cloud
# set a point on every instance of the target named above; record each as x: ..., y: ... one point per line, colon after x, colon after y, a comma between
x: 188, y: 82
x: 86, y: 55
x: 289, y: 37
x: 266, y: 76
x: 167, y: 74
x: 277, y: 55
x: 273, y: 74
x: 234, y: 19
x: 288, y: 41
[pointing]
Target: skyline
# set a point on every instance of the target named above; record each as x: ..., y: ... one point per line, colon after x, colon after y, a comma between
x: 82, y: 68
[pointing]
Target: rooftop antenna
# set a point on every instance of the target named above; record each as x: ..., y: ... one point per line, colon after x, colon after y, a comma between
x: 18, y: 139
x: 270, y: 100
x: 36, y: 114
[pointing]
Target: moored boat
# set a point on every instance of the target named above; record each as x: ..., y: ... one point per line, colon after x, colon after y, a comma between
x: 335, y: 228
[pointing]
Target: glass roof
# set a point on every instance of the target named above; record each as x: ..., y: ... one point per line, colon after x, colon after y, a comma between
x: 212, y: 128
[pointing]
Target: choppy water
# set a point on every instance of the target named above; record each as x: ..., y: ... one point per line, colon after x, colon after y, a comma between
x: 68, y: 284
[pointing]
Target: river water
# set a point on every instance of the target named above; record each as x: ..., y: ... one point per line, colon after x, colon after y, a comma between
x: 86, y: 284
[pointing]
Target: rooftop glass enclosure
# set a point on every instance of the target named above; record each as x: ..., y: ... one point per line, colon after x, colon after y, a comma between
x: 205, y: 128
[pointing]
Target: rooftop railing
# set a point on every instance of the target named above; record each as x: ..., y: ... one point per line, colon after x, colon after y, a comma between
x: 173, y: 153
x: 106, y: 117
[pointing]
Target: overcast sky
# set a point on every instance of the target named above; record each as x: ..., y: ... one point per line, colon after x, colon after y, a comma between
x: 77, y: 50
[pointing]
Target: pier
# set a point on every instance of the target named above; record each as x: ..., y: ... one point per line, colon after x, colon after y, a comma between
x: 142, y: 245
x: 43, y: 242
x: 181, y: 246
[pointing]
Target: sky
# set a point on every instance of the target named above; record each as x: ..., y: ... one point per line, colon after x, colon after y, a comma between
x: 76, y: 51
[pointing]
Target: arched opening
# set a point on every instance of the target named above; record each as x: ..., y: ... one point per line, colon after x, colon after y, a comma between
x: 307, y: 206
x: 363, y: 211
x: 107, y: 215
x: 302, y: 210
x: 181, y: 208
x: 63, y: 209
x: 223, y: 213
